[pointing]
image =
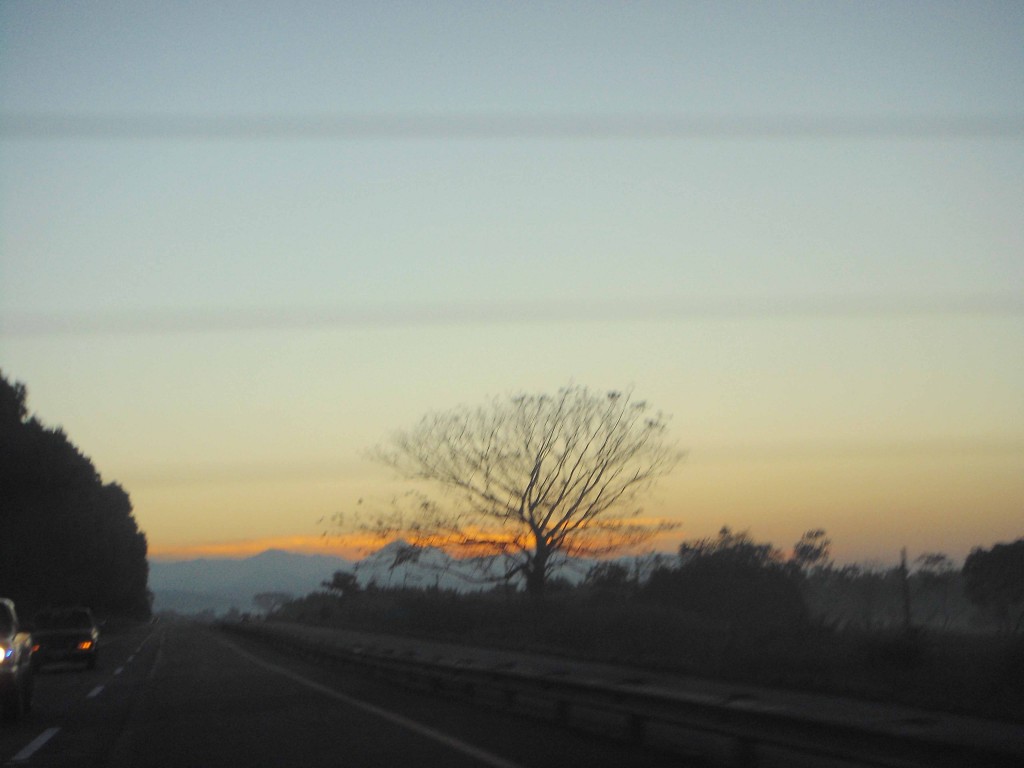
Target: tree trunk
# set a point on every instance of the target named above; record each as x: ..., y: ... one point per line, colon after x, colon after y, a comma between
x: 536, y: 573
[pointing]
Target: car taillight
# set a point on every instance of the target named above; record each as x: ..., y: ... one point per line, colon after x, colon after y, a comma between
x: 35, y: 648
x: 85, y: 645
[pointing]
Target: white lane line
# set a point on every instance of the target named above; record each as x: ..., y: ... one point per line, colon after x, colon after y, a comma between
x: 35, y: 745
x: 411, y: 725
x: 95, y: 692
x: 118, y: 671
x: 130, y: 659
x: 158, y: 659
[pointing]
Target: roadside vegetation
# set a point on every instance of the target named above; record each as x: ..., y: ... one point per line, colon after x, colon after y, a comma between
x: 921, y: 633
x: 66, y: 537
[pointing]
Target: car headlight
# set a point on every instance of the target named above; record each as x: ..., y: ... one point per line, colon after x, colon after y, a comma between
x: 5, y: 654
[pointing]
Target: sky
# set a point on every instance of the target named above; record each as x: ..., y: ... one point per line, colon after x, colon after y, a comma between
x: 243, y: 243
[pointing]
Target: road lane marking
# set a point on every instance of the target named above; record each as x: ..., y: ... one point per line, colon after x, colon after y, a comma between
x: 158, y: 659
x: 119, y: 754
x: 118, y: 671
x: 35, y: 745
x: 95, y: 692
x: 411, y: 725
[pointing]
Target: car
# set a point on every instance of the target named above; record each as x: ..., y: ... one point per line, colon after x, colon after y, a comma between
x: 16, y: 666
x: 65, y: 635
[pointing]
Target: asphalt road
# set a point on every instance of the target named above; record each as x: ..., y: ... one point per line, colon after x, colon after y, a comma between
x: 186, y: 695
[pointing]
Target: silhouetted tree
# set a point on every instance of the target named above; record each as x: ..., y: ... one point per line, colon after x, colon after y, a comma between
x: 994, y: 580
x: 813, y: 551
x: 934, y: 579
x: 13, y: 408
x: 609, y: 581
x: 735, y: 549
x: 535, y: 477
x: 342, y: 582
x: 65, y: 536
x: 734, y: 579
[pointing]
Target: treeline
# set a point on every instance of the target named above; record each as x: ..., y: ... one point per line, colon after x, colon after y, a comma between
x: 730, y: 607
x: 735, y: 579
x: 732, y: 580
x: 66, y: 537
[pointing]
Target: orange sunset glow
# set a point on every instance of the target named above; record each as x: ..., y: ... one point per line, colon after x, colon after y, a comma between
x: 350, y: 546
x: 813, y: 271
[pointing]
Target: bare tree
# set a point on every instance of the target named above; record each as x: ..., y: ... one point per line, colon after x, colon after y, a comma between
x: 536, y: 478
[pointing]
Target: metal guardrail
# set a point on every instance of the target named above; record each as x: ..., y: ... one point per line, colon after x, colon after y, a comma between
x: 737, y: 734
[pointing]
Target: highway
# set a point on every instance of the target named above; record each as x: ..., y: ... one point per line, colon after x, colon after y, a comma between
x: 181, y: 694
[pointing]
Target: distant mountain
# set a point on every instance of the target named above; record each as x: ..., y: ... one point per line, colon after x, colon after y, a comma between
x: 400, y: 564
x: 192, y: 586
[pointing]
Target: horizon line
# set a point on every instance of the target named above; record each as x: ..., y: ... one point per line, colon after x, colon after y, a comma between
x: 244, y: 549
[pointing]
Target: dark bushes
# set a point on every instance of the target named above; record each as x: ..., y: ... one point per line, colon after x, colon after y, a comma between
x: 732, y: 579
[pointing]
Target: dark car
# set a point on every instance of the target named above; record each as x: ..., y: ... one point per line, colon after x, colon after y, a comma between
x: 65, y: 635
x: 15, y: 663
